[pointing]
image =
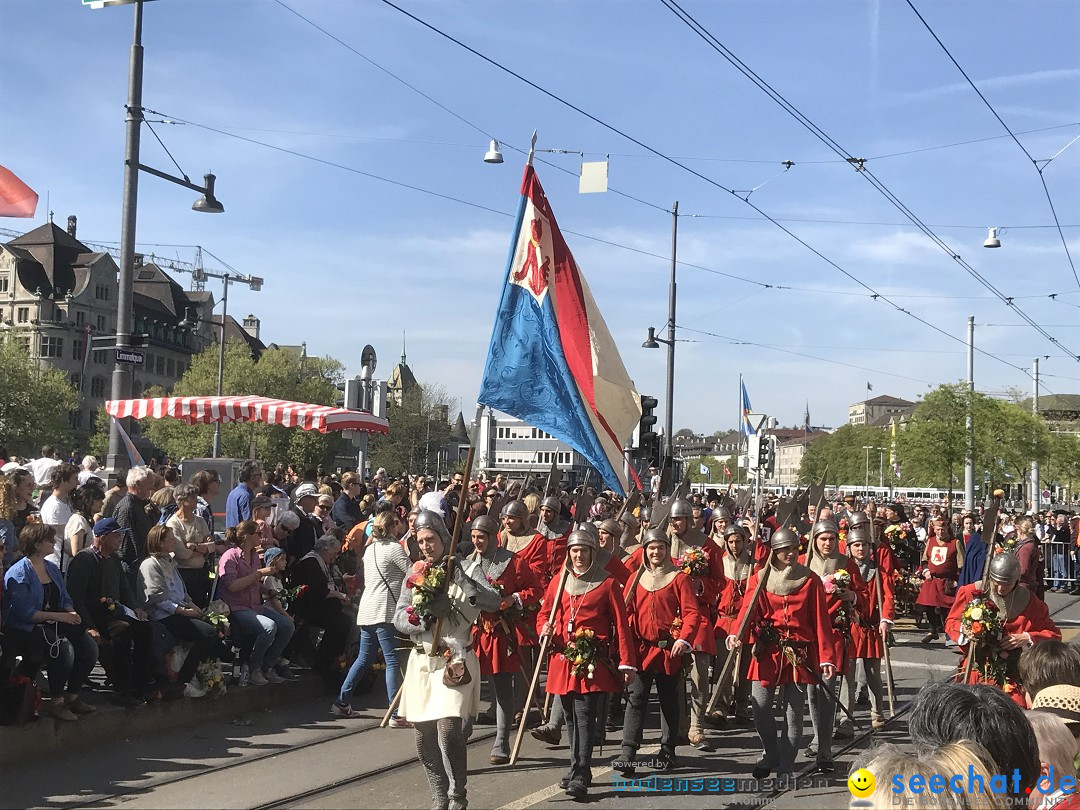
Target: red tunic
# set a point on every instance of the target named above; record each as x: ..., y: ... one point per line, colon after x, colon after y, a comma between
x: 942, y: 565
x: 839, y: 637
x: 731, y: 599
x: 545, y: 557
x: 800, y: 617
x: 886, y: 559
x: 651, y: 614
x: 617, y: 570
x: 1034, y: 620
x: 865, y: 636
x: 602, y: 611
x: 497, y: 634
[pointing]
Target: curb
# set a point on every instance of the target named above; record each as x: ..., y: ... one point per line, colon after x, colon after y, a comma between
x: 110, y: 722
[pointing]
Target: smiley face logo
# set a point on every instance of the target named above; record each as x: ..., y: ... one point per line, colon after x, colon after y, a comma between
x: 861, y: 783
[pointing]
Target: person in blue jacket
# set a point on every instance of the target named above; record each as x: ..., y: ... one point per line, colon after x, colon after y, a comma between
x: 974, y: 554
x: 42, y: 625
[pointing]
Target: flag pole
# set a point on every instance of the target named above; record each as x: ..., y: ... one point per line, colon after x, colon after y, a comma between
x: 739, y: 422
x: 532, y: 149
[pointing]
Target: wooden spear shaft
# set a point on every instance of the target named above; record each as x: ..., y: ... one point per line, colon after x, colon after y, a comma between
x: 884, y: 633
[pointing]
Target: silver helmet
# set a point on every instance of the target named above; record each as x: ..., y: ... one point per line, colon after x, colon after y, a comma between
x: 432, y: 520
x: 552, y: 503
x: 486, y: 524
x: 858, y: 534
x: 784, y: 538
x: 612, y: 527
x: 1005, y: 568
x: 656, y: 536
x: 858, y: 519
x: 582, y: 538
x: 590, y: 527
x: 825, y: 526
x: 681, y: 508
x: 516, y: 509
x: 735, y: 528
x: 721, y: 513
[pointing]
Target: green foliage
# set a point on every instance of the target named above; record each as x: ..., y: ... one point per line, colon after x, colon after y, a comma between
x: 842, y: 452
x: 419, y: 427
x: 34, y: 403
x: 280, y: 374
x: 716, y: 471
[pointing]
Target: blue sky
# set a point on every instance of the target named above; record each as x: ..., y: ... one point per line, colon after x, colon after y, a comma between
x: 350, y: 260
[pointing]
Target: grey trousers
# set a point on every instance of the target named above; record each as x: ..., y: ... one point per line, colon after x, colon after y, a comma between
x: 822, y: 716
x: 779, y: 753
x: 441, y: 749
x: 502, y: 684
x: 699, y: 690
x: 871, y: 668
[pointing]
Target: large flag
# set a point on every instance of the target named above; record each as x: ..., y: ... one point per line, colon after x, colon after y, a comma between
x: 16, y: 198
x: 747, y: 428
x: 134, y: 456
x: 552, y: 361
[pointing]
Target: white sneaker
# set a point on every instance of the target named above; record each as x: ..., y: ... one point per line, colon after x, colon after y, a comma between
x: 258, y: 679
x: 194, y: 689
x: 245, y: 676
x: 272, y: 676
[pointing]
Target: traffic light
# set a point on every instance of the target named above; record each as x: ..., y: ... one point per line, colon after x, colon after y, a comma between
x: 766, y: 456
x: 647, y: 436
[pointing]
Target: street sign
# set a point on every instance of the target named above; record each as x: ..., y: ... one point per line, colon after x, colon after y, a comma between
x: 131, y: 358
x: 1046, y: 494
x: 103, y: 3
x: 757, y: 421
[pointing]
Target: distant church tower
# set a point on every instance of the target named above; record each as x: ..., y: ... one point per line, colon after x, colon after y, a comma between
x: 401, y: 381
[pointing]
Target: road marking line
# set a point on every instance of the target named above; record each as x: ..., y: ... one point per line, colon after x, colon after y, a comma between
x: 927, y: 665
x: 546, y: 793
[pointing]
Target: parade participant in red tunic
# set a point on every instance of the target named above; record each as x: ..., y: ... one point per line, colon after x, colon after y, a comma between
x: 866, y: 634
x: 515, y: 534
x: 590, y: 617
x: 789, y: 620
x: 609, y: 532
x: 500, y: 636
x: 707, y: 580
x: 883, y: 553
x: 845, y: 602
x: 943, y: 559
x: 547, y: 550
x: 738, y: 566
x: 663, y: 612
x: 1025, y: 622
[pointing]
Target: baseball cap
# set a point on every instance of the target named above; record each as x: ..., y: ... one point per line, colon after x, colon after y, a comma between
x: 261, y: 502
x: 305, y: 490
x: 272, y: 554
x: 107, y: 526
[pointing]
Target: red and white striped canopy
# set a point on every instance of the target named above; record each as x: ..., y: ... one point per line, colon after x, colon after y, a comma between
x: 322, y: 418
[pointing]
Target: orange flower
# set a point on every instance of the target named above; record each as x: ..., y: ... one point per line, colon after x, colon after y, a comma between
x: 976, y: 628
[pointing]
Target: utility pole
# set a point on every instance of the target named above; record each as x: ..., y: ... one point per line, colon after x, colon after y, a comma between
x: 669, y: 421
x: 969, y: 462
x: 1036, y: 490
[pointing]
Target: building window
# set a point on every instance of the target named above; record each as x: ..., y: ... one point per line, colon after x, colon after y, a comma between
x: 80, y: 317
x: 76, y: 380
x: 160, y: 365
x: 101, y: 323
x: 180, y: 369
x: 5, y: 282
x: 23, y: 315
x: 99, y: 357
x: 170, y: 367
x: 101, y: 292
x: 97, y: 387
x: 52, y: 346
x: 77, y: 349
x: 75, y: 419
x: 24, y: 341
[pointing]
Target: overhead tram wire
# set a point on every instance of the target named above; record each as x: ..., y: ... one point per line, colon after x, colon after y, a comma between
x: 874, y: 294
x: 1000, y: 120
x: 859, y: 164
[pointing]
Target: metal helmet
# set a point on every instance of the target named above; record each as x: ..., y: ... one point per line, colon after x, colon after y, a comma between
x: 681, y: 508
x: 630, y: 522
x: 432, y: 520
x: 656, y: 536
x: 645, y: 514
x: 721, y: 513
x: 1005, y: 568
x: 859, y: 534
x: 858, y: 519
x: 486, y: 524
x: 612, y: 527
x: 582, y: 538
x: 590, y: 527
x: 552, y: 503
x: 823, y: 527
x: 516, y: 509
x: 735, y: 528
x: 784, y: 538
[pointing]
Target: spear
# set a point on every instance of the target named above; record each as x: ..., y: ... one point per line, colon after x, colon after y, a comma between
x: 885, y: 633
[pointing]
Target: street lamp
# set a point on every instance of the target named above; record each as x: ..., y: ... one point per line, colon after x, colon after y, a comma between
x: 653, y: 342
x: 208, y: 203
x: 255, y: 284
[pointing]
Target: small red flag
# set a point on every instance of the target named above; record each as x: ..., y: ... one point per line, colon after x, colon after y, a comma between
x: 727, y: 472
x: 16, y: 198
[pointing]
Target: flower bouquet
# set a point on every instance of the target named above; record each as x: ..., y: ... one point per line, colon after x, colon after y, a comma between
x: 897, y: 534
x: 981, y: 620
x: 843, y: 618
x: 210, y: 676
x: 217, y: 613
x: 582, y: 650
x: 427, y: 581
x: 837, y: 582
x: 1008, y: 543
x: 694, y: 561
x: 673, y: 634
x: 108, y: 603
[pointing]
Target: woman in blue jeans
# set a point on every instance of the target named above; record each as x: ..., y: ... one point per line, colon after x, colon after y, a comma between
x: 385, y: 567
x: 239, y: 585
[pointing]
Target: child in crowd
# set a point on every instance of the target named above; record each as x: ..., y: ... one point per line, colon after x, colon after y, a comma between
x: 261, y: 508
x: 272, y: 586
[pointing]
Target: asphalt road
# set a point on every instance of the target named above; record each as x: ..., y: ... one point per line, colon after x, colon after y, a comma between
x: 300, y: 756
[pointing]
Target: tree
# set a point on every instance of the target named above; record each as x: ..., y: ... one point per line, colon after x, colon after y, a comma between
x: 1063, y: 464
x: 34, y: 403
x: 715, y: 476
x: 419, y: 428
x: 1019, y: 438
x: 842, y: 453
x: 279, y: 374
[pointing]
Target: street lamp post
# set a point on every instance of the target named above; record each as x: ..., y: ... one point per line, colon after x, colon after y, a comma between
x: 866, y: 486
x: 881, y: 467
x: 125, y: 311
x: 652, y: 342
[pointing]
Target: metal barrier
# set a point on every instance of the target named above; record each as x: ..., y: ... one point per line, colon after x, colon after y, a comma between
x: 1061, y: 565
